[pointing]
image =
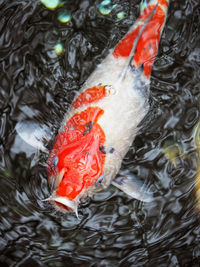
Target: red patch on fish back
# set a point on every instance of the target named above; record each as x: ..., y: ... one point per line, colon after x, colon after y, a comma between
x: 124, y: 47
x: 146, y: 13
x: 80, y: 119
x: 90, y: 95
x: 147, y: 45
x: 77, y: 149
x: 163, y: 3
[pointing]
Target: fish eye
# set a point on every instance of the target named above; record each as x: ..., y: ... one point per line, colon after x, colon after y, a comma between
x: 99, y: 180
x: 55, y: 162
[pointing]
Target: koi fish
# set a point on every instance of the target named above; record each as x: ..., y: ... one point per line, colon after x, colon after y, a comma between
x: 102, y: 122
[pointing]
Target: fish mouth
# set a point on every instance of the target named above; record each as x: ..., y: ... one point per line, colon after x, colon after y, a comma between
x: 61, y: 203
x: 64, y: 204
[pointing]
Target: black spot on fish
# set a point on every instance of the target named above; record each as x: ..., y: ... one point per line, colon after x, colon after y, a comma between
x: 149, y: 46
x: 112, y: 150
x: 88, y: 153
x: 132, y: 66
x: 102, y: 149
x: 141, y: 67
x: 89, y: 124
x: 49, y: 145
x: 88, y: 127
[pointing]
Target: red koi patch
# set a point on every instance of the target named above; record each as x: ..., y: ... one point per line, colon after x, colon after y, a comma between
x: 147, y: 45
x: 78, y: 149
x: 90, y: 95
x: 163, y: 3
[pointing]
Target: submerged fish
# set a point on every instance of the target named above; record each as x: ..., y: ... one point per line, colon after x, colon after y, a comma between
x: 102, y: 122
x: 197, y: 177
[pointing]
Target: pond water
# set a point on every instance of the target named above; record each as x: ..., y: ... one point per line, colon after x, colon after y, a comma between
x: 36, y: 82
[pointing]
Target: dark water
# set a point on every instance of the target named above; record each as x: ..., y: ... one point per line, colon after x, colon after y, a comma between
x: 113, y: 229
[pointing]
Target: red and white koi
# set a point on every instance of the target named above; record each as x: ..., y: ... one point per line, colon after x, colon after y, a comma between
x: 103, y: 119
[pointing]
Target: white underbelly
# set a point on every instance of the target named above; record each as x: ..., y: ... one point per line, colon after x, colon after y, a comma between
x: 124, y: 107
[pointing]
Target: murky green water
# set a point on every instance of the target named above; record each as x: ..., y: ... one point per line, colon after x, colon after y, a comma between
x: 35, y: 82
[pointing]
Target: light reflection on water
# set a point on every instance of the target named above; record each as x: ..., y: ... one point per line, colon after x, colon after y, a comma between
x: 113, y: 230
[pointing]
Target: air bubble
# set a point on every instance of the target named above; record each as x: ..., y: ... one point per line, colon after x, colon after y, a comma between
x: 58, y: 49
x: 105, y: 7
x: 120, y: 15
x: 173, y: 152
x: 110, y: 90
x: 64, y: 16
x: 50, y: 4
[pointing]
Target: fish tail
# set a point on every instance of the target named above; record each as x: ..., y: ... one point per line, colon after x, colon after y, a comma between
x: 140, y: 45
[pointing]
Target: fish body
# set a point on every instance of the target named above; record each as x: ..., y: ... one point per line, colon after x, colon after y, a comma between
x: 102, y: 122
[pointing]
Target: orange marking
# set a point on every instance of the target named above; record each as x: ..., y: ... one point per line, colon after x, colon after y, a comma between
x: 77, y: 149
x: 147, y: 45
x: 163, y: 3
x: 89, y: 96
x: 80, y: 119
x: 124, y: 47
x: 146, y: 13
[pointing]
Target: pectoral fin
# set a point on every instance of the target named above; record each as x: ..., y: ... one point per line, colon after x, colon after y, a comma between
x: 132, y: 186
x: 35, y: 134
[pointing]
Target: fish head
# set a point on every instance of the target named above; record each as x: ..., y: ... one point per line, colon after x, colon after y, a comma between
x: 74, y: 165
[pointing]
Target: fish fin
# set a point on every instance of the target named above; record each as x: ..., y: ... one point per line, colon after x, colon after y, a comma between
x: 35, y: 134
x: 132, y: 186
x: 140, y: 45
x: 130, y: 61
